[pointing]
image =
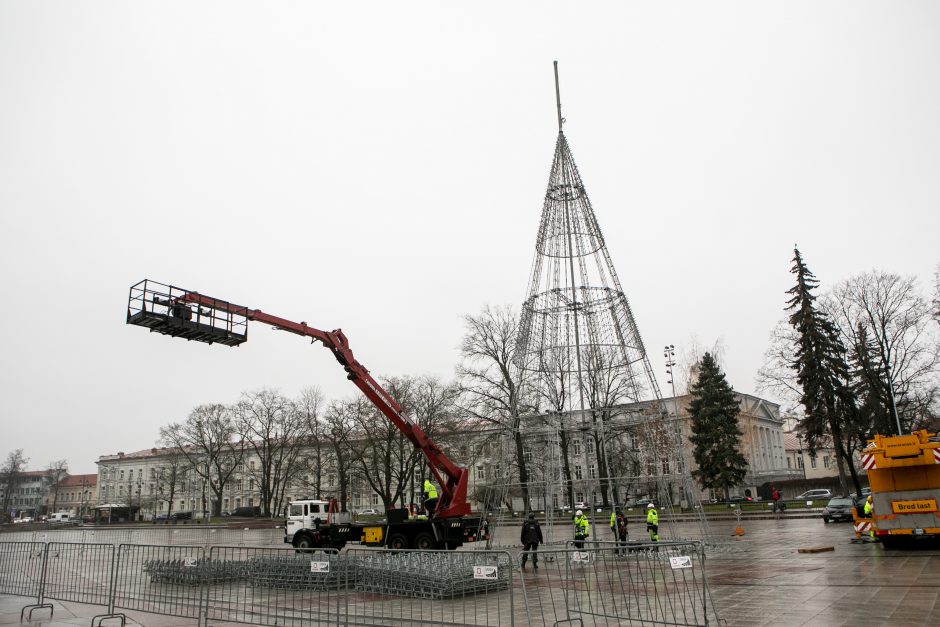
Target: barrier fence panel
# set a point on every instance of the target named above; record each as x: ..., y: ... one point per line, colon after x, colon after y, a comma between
x: 80, y: 573
x: 160, y: 579
x: 268, y: 586
x: 439, y: 587
x: 605, y: 584
x: 21, y: 568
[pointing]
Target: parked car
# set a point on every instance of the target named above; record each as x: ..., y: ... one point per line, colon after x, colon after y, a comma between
x: 815, y: 495
x: 247, y: 512
x: 839, y: 508
x: 161, y: 517
x: 369, y: 512
x: 21, y: 521
x: 739, y: 499
x: 640, y: 503
x: 181, y: 516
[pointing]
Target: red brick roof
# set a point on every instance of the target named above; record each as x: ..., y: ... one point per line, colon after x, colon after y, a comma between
x: 77, y: 481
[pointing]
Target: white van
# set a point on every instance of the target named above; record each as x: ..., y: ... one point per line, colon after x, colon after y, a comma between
x: 60, y: 517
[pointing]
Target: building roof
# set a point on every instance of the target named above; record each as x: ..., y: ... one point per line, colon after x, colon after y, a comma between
x: 792, y: 442
x: 78, y: 481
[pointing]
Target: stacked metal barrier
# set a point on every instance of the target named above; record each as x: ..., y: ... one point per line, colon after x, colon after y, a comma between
x: 430, y: 575
x: 432, y: 587
x: 301, y: 572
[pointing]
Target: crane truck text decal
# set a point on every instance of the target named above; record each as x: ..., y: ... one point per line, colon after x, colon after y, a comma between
x: 914, y: 507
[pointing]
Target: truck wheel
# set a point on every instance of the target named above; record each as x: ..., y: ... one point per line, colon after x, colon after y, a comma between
x: 305, y: 542
x: 397, y: 541
x: 425, y: 542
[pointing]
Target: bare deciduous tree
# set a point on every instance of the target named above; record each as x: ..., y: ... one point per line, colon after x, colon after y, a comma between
x: 57, y: 471
x: 492, y: 382
x: 15, y: 463
x: 168, y: 478
x: 207, y: 441
x: 275, y: 432
x: 339, y: 418
x: 310, y: 405
x: 886, y: 315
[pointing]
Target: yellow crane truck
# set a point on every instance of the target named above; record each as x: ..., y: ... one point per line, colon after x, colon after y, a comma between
x: 904, y: 475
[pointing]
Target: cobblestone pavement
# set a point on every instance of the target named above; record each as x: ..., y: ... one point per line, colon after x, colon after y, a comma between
x: 757, y: 579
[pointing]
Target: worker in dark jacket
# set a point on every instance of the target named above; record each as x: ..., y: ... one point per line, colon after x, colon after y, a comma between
x: 531, y: 539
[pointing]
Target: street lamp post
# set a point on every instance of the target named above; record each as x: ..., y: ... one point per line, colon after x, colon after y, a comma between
x: 669, y: 352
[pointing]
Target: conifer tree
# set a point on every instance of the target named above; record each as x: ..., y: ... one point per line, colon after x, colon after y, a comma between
x: 822, y: 372
x: 715, y: 432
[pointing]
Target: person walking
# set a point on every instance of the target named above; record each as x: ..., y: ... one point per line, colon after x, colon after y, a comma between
x: 652, y: 522
x: 581, y: 529
x: 531, y: 539
x: 430, y: 497
x: 775, y: 497
x: 620, y: 529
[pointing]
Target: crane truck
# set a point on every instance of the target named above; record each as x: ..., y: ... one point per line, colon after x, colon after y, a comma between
x: 177, y: 312
x: 904, y: 475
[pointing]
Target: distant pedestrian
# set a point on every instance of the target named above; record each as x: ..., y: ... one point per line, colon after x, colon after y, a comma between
x: 652, y: 522
x: 581, y: 529
x: 620, y: 529
x: 775, y: 497
x: 531, y: 539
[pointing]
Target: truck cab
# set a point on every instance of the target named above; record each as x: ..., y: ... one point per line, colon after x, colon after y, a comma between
x: 311, y: 514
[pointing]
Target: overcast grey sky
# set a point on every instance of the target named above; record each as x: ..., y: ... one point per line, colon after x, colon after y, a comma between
x: 381, y: 166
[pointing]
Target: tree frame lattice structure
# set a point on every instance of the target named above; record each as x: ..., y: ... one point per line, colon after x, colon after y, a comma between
x: 580, y: 353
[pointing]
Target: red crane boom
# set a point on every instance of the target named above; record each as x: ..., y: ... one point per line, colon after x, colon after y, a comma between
x: 168, y: 311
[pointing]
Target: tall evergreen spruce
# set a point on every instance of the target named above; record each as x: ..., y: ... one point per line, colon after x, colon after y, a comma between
x: 822, y: 371
x: 715, y: 432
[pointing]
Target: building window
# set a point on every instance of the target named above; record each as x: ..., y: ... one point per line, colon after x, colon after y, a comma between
x: 251, y: 464
x: 788, y: 463
x: 251, y: 501
x: 576, y: 448
x: 591, y: 471
x: 122, y: 474
x: 577, y: 472
x: 375, y: 499
x: 799, y: 462
x: 665, y: 461
x: 481, y: 473
x: 251, y: 484
x: 826, y: 461
x: 812, y: 461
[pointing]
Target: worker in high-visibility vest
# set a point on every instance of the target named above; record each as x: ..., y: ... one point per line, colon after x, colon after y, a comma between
x: 430, y: 497
x: 869, y: 513
x: 581, y: 529
x: 652, y: 522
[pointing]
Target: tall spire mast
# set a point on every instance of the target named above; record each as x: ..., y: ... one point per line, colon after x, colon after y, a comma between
x: 561, y: 120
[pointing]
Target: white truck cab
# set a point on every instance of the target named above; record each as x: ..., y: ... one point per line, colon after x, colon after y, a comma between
x: 60, y: 517
x: 306, y: 514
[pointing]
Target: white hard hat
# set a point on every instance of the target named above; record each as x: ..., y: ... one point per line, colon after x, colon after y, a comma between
x: 650, y: 506
x: 578, y: 513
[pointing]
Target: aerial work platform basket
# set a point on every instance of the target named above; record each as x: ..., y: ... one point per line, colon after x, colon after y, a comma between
x: 169, y: 310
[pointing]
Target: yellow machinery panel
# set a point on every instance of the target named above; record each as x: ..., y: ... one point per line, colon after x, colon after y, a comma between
x: 372, y: 535
x: 918, y: 506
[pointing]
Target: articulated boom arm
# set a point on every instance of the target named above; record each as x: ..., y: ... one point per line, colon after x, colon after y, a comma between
x: 454, y: 489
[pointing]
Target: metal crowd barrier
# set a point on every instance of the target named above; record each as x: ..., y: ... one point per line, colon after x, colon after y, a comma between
x: 604, y: 583
x: 267, y: 586
x: 600, y: 584
x: 432, y: 587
